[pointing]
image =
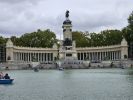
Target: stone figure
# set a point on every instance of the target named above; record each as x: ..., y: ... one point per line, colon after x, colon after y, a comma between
x: 67, y: 14
x: 67, y: 42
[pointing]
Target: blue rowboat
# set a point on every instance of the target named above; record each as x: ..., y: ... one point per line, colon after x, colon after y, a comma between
x: 6, y: 81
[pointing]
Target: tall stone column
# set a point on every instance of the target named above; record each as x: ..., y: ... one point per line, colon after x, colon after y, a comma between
x: 43, y: 57
x: 9, y: 51
x: 37, y: 57
x: 124, y: 49
x: 89, y: 56
x: 83, y: 55
x: 111, y: 55
x: 100, y: 56
x: 46, y: 57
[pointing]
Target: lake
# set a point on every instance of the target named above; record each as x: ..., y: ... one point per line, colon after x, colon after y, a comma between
x: 80, y: 84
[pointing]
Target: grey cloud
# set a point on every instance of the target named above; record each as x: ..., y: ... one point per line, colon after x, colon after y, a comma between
x: 88, y: 22
x: 19, y: 1
x: 21, y: 16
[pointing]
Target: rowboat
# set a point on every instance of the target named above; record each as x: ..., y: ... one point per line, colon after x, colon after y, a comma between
x: 60, y: 68
x: 6, y: 81
x: 36, y: 70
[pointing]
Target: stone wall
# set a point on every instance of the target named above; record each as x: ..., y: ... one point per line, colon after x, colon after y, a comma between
x: 70, y: 65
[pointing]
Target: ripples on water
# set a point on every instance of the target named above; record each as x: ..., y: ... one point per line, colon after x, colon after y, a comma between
x: 87, y: 84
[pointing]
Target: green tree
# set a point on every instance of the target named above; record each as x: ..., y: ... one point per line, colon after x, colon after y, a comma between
x: 130, y: 21
x: 2, y: 40
x: 104, y: 38
x: 40, y: 38
x: 96, y: 39
x: 128, y: 31
x: 81, y: 39
x: 15, y: 40
x: 111, y: 37
x: 128, y: 34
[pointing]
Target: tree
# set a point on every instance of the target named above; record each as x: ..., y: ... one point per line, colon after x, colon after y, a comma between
x: 96, y: 39
x: 15, y: 40
x: 40, y: 38
x: 128, y: 31
x: 128, y: 34
x: 130, y: 21
x: 81, y: 39
x: 104, y: 38
x: 2, y: 40
x: 111, y: 37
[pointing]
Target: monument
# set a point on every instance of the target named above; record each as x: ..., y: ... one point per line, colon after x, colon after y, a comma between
x: 67, y: 48
x: 68, y: 54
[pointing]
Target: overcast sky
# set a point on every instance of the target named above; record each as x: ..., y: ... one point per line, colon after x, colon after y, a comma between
x: 20, y: 16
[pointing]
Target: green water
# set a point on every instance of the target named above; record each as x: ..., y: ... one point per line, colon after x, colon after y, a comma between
x: 87, y: 84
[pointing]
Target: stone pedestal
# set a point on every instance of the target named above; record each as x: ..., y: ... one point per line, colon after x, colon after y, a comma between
x: 35, y: 64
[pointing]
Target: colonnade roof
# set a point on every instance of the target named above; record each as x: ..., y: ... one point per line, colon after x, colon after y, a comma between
x: 99, y: 48
x: 33, y: 48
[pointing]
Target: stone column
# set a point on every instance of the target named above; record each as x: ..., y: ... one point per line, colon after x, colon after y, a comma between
x: 49, y: 56
x: 22, y: 57
x: 103, y: 55
x: 100, y: 56
x: 14, y: 56
x: 17, y: 56
x: 9, y: 51
x: 46, y: 57
x: 79, y: 56
x: 37, y: 57
x: 42, y: 57
x: 112, y: 55
x: 124, y: 48
x: 92, y: 55
x: 29, y: 56
x: 83, y: 55
x: 88, y: 56
x: 117, y: 55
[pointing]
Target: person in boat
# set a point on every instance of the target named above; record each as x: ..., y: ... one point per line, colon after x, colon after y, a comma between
x: 36, y: 69
x: 6, y: 76
x: 1, y: 75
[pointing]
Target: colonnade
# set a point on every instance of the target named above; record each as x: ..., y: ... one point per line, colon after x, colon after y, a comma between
x: 100, y: 56
x: 38, y: 57
x: 42, y: 57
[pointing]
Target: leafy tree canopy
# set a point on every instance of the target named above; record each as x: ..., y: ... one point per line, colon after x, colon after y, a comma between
x: 81, y: 39
x: 128, y: 30
x: 2, y: 40
x: 40, y: 38
x: 104, y: 38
